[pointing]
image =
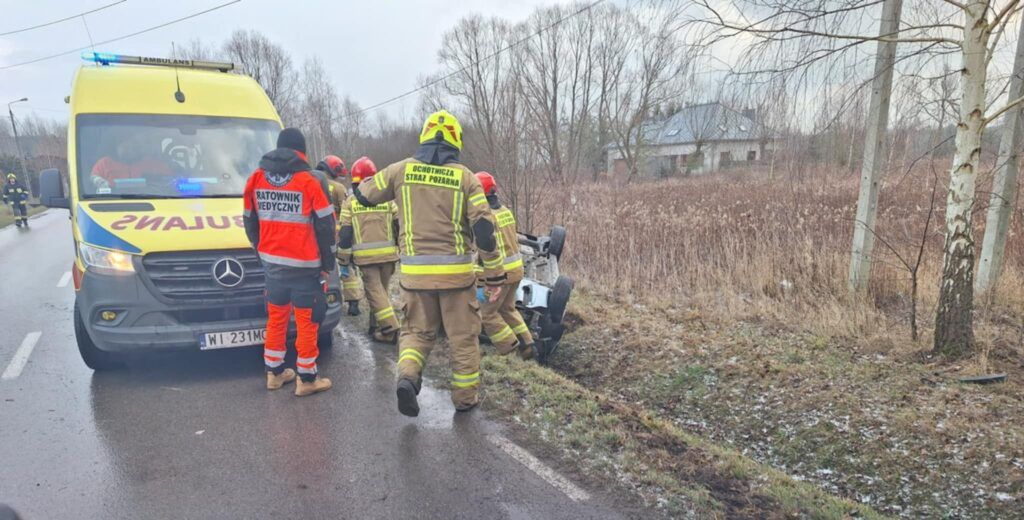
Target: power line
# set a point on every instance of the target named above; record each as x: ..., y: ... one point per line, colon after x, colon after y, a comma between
x: 119, y: 38
x: 72, y: 17
x: 463, y: 69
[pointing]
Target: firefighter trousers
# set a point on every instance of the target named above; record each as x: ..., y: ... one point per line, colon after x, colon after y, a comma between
x: 306, y: 297
x: 425, y: 313
x: 20, y: 211
x: 503, y: 323
x: 351, y: 285
x: 376, y: 279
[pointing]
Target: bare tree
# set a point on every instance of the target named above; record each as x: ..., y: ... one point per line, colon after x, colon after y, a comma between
x: 269, y: 64
x: 816, y: 31
x: 654, y: 74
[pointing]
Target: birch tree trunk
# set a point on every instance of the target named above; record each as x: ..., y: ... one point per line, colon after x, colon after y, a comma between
x: 954, y: 327
x: 1004, y: 187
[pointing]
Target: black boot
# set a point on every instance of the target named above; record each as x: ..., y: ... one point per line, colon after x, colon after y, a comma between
x: 17, y: 222
x: 407, y: 404
x: 353, y: 308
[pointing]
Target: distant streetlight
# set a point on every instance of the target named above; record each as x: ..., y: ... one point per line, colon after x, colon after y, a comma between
x: 17, y: 142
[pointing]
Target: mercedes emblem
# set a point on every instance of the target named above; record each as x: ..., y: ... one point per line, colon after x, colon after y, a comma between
x: 228, y: 272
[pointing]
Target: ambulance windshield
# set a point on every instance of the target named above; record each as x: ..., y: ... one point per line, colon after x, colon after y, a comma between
x: 124, y: 156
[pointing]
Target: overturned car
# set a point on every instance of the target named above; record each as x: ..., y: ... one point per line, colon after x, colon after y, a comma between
x: 544, y: 292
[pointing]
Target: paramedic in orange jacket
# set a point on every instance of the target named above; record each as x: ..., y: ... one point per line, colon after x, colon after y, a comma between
x: 290, y: 223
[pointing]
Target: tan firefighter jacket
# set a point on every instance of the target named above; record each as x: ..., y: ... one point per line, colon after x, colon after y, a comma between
x: 508, y: 245
x: 337, y: 192
x: 437, y: 208
x: 373, y: 231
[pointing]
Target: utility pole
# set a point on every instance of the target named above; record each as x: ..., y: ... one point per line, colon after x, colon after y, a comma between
x: 1004, y: 187
x: 17, y: 142
x: 874, y: 147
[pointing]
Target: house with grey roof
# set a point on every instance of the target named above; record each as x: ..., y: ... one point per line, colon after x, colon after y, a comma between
x: 697, y: 139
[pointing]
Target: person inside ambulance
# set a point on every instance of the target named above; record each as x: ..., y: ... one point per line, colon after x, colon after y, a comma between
x: 130, y: 162
x: 368, y: 234
x: 501, y: 320
x: 337, y: 184
x: 290, y: 223
x: 442, y: 214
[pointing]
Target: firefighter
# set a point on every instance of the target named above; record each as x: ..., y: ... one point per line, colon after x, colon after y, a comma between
x: 351, y: 286
x: 290, y: 223
x: 442, y: 211
x: 369, y: 233
x: 501, y: 320
x: 16, y: 194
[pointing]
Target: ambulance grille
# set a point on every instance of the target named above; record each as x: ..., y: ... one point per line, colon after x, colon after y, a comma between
x: 188, y: 275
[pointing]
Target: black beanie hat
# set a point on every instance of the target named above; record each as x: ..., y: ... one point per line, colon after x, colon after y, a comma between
x: 292, y: 138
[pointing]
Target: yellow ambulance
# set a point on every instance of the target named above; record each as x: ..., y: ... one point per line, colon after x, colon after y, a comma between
x: 159, y: 152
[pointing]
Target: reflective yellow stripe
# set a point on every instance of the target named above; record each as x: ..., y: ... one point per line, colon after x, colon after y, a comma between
x: 492, y: 264
x: 413, y: 355
x: 502, y: 335
x: 381, y: 182
x: 521, y: 329
x: 465, y: 380
x: 514, y: 265
x: 437, y: 269
x: 501, y: 244
x: 377, y: 252
x: 460, y: 242
x: 478, y: 200
x: 385, y: 313
x: 350, y: 285
x: 407, y: 222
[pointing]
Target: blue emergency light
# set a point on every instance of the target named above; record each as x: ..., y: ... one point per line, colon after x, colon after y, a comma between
x: 106, y: 58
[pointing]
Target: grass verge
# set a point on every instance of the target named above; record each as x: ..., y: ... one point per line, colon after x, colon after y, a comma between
x: 614, y: 443
x: 7, y: 217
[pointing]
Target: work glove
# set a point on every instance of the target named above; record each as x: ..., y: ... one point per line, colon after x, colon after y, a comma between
x: 488, y: 294
x: 344, y: 271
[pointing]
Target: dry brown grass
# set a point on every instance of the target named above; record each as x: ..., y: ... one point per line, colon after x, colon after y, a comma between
x: 744, y: 246
x: 720, y: 304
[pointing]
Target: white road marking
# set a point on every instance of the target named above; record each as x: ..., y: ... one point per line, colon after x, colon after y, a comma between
x: 64, y: 279
x: 535, y: 465
x: 20, y: 358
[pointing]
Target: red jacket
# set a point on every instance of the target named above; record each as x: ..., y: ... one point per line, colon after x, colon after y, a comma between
x: 288, y: 219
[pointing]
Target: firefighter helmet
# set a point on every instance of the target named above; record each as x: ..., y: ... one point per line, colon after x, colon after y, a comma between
x: 11, y: 177
x: 333, y: 165
x: 363, y: 169
x: 442, y: 126
x: 487, y: 181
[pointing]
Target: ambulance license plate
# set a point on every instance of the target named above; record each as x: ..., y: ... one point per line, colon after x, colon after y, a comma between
x: 236, y: 338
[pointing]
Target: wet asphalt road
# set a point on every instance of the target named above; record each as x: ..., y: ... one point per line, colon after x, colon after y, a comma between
x: 195, y: 435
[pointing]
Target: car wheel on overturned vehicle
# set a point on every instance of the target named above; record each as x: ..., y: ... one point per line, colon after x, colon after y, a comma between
x: 93, y: 357
x: 556, y: 242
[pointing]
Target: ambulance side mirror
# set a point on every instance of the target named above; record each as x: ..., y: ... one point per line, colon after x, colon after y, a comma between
x: 51, y: 189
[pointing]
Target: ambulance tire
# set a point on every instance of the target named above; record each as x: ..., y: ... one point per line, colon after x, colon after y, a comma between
x: 556, y: 241
x: 93, y: 357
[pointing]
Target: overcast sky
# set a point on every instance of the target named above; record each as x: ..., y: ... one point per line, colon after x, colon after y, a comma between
x: 374, y: 49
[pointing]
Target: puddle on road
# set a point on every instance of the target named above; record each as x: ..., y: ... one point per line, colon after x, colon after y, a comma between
x: 436, y: 410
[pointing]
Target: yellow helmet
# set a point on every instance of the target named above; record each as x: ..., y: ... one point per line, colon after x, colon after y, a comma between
x: 444, y: 125
x: 12, y: 177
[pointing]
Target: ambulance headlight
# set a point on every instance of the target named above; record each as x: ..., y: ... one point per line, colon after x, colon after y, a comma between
x: 106, y: 262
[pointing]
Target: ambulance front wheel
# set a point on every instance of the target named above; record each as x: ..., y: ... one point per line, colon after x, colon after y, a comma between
x: 93, y: 357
